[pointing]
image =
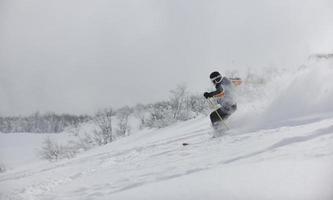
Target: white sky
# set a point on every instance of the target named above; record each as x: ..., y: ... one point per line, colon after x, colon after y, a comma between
x: 77, y: 56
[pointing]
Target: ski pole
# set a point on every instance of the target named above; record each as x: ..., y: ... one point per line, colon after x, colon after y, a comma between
x: 218, y: 114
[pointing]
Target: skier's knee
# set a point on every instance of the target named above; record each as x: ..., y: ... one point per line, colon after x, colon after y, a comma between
x: 212, y: 115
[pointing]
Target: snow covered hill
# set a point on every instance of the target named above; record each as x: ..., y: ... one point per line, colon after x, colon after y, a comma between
x: 280, y: 147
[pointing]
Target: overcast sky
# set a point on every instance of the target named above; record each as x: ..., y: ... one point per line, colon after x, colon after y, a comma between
x: 76, y: 56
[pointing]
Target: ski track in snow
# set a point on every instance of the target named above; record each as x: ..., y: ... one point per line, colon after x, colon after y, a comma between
x: 90, y: 176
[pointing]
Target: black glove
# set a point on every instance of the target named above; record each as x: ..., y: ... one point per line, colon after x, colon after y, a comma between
x: 207, y: 95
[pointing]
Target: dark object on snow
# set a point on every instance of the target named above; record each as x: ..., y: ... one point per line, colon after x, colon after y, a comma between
x: 185, y: 144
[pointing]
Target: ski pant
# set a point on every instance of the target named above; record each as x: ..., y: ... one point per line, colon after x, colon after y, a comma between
x: 221, y: 114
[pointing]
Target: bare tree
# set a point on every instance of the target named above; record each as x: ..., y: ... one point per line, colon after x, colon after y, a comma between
x: 103, y: 119
x: 123, y: 115
x: 179, y: 103
x: 140, y: 112
x: 198, y: 104
x: 161, y: 115
x: 52, y: 151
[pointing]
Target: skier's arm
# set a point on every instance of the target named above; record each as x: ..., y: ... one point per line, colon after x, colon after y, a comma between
x: 218, y: 93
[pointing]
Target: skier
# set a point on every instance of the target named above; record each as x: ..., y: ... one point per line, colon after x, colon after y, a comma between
x: 224, y: 97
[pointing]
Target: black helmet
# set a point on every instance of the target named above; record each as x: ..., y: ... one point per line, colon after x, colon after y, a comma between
x: 215, y: 77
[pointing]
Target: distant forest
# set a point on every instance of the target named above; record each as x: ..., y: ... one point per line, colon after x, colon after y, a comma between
x: 41, y: 123
x: 180, y: 106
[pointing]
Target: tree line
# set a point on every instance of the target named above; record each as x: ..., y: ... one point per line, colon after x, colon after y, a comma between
x: 41, y: 123
x: 180, y: 106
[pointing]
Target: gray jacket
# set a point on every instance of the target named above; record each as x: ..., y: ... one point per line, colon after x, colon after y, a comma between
x: 224, y: 94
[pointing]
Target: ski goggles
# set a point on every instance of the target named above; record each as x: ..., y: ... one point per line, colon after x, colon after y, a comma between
x: 216, y: 79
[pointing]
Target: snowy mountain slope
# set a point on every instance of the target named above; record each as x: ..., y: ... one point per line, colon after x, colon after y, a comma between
x: 289, y: 162
x: 276, y: 149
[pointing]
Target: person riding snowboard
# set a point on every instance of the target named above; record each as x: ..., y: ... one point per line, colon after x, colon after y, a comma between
x: 224, y: 97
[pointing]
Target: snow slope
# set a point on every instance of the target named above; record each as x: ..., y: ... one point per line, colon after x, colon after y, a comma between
x: 284, y: 151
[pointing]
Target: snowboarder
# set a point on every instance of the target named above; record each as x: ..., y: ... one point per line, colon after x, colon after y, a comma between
x: 224, y: 97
